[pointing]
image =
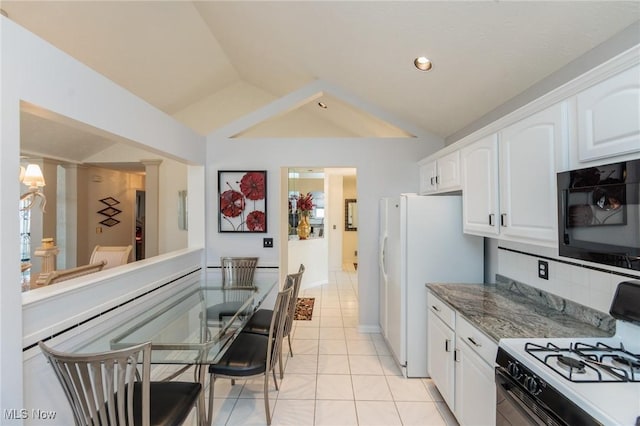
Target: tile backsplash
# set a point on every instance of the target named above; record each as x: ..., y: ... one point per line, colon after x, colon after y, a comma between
x: 584, y: 285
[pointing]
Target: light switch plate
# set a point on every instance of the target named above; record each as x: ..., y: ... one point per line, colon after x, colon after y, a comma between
x: 267, y: 242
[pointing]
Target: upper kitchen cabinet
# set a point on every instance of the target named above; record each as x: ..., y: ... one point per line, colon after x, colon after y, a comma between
x: 608, y: 118
x: 530, y: 153
x: 440, y: 174
x: 480, y: 187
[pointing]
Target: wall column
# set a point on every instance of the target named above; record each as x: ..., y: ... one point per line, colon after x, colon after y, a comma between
x: 152, y: 207
x: 67, y: 232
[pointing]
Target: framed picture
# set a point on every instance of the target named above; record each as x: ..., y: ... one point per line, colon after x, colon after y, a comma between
x: 242, y: 201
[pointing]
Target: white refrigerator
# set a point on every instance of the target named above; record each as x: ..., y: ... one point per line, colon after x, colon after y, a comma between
x: 421, y: 241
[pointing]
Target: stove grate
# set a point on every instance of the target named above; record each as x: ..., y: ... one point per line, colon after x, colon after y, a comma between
x: 591, y: 358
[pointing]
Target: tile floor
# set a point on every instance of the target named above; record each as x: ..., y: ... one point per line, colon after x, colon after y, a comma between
x: 337, y: 375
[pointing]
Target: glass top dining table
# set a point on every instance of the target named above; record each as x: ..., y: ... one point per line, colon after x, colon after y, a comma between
x: 186, y: 328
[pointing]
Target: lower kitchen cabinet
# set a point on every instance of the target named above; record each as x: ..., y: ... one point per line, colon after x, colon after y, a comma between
x: 461, y: 363
x: 440, y: 342
x: 475, y: 389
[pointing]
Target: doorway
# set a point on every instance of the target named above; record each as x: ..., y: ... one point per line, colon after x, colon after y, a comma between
x: 140, y: 224
x: 333, y: 247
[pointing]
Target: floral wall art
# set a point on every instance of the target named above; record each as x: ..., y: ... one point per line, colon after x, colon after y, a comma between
x: 242, y: 197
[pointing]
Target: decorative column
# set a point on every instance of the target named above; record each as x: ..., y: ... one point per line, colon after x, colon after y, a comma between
x: 152, y: 206
x: 47, y: 252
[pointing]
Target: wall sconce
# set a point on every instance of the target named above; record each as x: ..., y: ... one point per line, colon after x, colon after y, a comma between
x: 33, y: 178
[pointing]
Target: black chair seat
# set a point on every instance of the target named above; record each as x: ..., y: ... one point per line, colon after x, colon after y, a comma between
x: 170, y: 402
x: 225, y: 309
x: 259, y: 322
x: 246, y: 356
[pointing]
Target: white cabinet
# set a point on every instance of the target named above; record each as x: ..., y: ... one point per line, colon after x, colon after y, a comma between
x: 461, y: 363
x: 440, y: 346
x: 530, y: 153
x: 428, y: 176
x: 480, y: 187
x: 475, y: 394
x: 608, y: 117
x: 509, y: 179
x: 441, y: 174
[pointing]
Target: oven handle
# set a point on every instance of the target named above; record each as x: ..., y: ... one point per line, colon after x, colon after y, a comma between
x: 539, y: 416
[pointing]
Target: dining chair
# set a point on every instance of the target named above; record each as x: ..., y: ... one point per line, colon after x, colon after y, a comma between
x: 112, y: 255
x: 237, y: 279
x: 251, y: 355
x: 102, y: 388
x: 260, y: 320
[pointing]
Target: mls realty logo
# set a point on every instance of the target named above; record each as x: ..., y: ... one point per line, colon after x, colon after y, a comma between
x: 23, y: 414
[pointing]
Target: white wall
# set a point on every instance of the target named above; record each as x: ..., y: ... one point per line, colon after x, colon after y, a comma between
x: 349, y: 238
x: 173, y: 178
x: 36, y: 72
x: 385, y: 167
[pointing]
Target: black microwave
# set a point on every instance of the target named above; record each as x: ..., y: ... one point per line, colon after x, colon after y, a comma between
x: 599, y: 214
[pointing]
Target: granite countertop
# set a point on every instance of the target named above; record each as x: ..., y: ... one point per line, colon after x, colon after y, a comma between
x: 509, y: 309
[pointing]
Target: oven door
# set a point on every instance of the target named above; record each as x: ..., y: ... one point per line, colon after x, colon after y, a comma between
x: 514, y: 406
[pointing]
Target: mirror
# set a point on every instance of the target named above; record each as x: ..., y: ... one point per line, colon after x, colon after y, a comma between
x: 96, y: 184
x: 350, y: 214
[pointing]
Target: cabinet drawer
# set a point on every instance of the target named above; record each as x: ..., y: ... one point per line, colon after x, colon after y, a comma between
x: 442, y: 310
x: 477, y: 340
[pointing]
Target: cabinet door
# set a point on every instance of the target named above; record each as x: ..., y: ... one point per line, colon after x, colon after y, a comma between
x: 530, y: 152
x: 480, y: 187
x: 440, y: 344
x: 448, y: 169
x: 428, y: 174
x: 609, y: 117
x: 475, y: 389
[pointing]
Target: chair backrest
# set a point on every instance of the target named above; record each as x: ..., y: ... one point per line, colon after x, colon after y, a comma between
x: 278, y: 319
x: 238, y: 271
x: 112, y: 255
x: 291, y: 309
x: 99, y: 386
x: 67, y: 274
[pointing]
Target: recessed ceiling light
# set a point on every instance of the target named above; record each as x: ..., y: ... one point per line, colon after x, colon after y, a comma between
x: 322, y: 105
x: 423, y: 63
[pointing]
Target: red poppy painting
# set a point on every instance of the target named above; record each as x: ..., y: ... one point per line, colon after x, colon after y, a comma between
x: 242, y: 198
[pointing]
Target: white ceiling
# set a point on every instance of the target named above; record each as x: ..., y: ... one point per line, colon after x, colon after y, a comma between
x: 176, y: 53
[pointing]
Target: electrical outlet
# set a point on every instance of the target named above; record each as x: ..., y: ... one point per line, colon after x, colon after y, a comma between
x: 267, y: 242
x: 543, y: 269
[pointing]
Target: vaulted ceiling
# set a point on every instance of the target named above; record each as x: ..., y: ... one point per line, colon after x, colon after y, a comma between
x: 174, y: 54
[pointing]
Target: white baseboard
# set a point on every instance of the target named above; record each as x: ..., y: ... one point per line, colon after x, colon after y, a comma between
x: 369, y: 329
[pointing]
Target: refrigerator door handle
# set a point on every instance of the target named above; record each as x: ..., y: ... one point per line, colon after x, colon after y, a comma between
x: 381, y: 257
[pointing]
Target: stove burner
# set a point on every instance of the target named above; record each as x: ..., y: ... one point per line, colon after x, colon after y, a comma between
x: 571, y: 364
x: 588, y: 363
x: 622, y: 361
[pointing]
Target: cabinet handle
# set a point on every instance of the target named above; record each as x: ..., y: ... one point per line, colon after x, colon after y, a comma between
x: 474, y: 342
x: 491, y: 217
x: 503, y: 219
x: 456, y: 358
x: 435, y: 308
x: 436, y: 180
x: 432, y: 180
x: 447, y: 345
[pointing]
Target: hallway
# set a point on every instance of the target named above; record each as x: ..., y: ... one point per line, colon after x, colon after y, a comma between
x: 337, y: 375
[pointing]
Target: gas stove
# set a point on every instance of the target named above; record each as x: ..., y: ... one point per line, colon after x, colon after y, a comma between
x: 567, y: 381
x: 588, y: 362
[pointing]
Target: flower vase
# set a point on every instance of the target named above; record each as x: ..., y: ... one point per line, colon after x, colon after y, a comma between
x: 304, y: 228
